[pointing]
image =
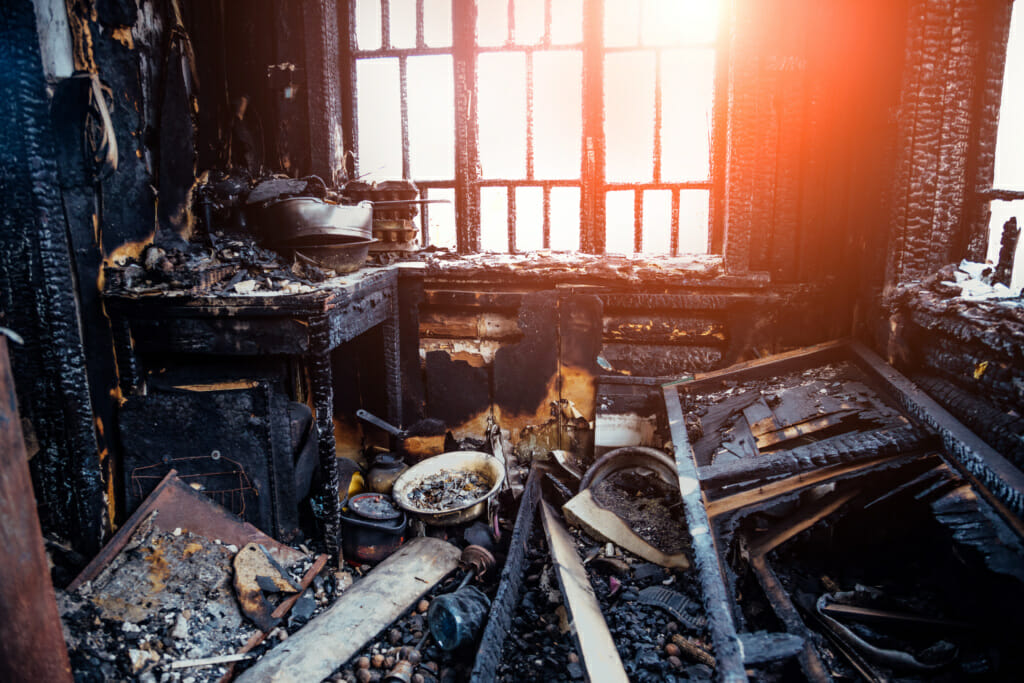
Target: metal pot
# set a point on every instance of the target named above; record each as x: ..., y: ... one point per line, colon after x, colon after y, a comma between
x: 299, y: 221
x: 454, y: 462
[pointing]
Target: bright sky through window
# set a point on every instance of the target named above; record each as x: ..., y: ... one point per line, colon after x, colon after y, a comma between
x: 658, y: 60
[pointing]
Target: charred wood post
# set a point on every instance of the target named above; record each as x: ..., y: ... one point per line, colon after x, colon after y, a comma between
x: 1007, y: 251
x: 721, y: 622
x: 31, y: 640
x: 37, y: 294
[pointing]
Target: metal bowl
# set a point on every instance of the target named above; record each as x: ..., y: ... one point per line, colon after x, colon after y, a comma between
x: 301, y: 220
x: 456, y: 462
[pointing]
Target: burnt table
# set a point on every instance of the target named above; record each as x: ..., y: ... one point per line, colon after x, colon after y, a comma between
x: 307, y: 325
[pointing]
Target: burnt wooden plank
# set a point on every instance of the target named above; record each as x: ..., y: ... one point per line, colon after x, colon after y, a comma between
x: 715, y: 593
x: 31, y: 639
x: 661, y: 360
x: 506, y: 599
x: 1001, y: 483
x: 593, y: 639
x: 776, y: 364
x: 845, y: 448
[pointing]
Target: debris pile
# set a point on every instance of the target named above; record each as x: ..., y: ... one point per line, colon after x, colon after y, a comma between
x: 221, y: 266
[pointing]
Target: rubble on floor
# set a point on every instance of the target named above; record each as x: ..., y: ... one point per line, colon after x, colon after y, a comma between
x: 808, y: 524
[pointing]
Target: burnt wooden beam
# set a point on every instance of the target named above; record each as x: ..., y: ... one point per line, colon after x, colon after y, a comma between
x: 995, y: 23
x: 842, y: 449
x: 323, y: 89
x: 31, y: 638
x: 715, y: 593
x: 38, y: 295
x: 1001, y: 429
x: 1000, y: 482
x: 506, y: 599
x: 1007, y: 252
x: 784, y: 609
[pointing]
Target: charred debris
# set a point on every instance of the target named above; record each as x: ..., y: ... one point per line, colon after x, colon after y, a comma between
x: 256, y: 427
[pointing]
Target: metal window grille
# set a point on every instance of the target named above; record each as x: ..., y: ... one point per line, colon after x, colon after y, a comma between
x: 549, y: 124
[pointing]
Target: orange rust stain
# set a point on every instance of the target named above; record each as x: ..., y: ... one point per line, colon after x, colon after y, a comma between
x: 191, y: 549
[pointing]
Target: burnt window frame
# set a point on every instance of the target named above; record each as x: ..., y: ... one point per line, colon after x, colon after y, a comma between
x: 592, y: 183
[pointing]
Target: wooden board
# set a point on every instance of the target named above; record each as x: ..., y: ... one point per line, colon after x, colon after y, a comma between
x: 31, y: 641
x: 584, y: 512
x: 362, y: 611
x: 593, y: 640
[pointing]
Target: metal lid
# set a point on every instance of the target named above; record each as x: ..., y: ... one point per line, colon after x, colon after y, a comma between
x: 374, y: 506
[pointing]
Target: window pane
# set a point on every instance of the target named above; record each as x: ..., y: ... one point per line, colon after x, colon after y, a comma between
x: 1009, y: 172
x: 629, y: 116
x: 687, y: 84
x: 440, y: 218
x: 494, y: 219
x: 529, y: 218
x: 657, y: 222
x: 693, y: 221
x: 379, y: 119
x: 403, y: 23
x: 529, y: 21
x: 678, y: 22
x: 368, y: 24
x: 557, y: 114
x: 565, y: 218
x: 621, y: 22
x: 491, y: 22
x: 431, y: 118
x: 619, y: 222
x: 502, y: 114
x: 437, y: 23
x: 566, y: 22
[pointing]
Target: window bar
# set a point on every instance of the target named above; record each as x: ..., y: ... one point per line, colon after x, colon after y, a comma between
x: 657, y: 116
x: 638, y: 220
x: 403, y: 85
x: 529, y: 114
x: 347, y: 64
x: 510, y: 194
x: 385, y: 24
x: 467, y: 192
x: 592, y: 199
x: 674, y: 235
x: 547, y: 209
x: 546, y: 40
x: 510, y: 37
x: 425, y: 213
x: 420, y: 40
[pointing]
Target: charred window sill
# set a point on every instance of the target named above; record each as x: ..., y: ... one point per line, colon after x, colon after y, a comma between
x: 552, y: 269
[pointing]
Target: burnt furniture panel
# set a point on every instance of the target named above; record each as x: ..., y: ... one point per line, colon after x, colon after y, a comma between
x: 233, y: 445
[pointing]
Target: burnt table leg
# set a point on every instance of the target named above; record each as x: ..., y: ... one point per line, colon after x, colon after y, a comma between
x: 392, y: 362
x: 326, y: 503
